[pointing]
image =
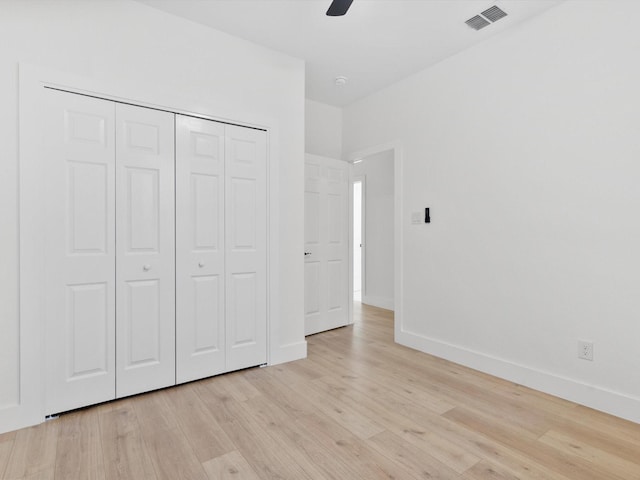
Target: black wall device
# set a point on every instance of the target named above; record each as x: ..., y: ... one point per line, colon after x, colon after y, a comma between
x: 427, y: 218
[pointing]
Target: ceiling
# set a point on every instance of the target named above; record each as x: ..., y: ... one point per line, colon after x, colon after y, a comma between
x: 377, y: 43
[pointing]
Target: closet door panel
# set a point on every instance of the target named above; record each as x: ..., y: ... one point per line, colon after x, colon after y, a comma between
x: 80, y: 251
x: 246, y: 260
x: 145, y: 250
x: 142, y: 323
x: 200, y: 300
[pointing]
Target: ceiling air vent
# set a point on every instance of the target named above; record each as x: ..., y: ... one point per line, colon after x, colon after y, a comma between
x: 477, y: 22
x: 487, y: 17
x: 494, y: 13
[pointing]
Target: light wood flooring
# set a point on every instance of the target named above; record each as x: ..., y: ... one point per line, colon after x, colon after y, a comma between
x: 359, y: 407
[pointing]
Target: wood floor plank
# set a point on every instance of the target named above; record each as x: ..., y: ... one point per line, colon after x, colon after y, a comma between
x: 272, y: 386
x: 206, y: 438
x: 607, y: 424
x: 417, y: 426
x: 346, y: 415
x: 572, y: 467
x: 316, y: 460
x: 255, y: 444
x: 5, y: 453
x: 352, y: 451
x: 415, y: 460
x: 46, y: 474
x: 8, y: 436
x: 230, y: 466
x: 406, y: 386
x: 606, y: 441
x: 79, y: 452
x: 125, y: 455
x: 237, y: 385
x: 34, y: 450
x: 484, y: 470
x: 168, y: 448
x: 572, y: 446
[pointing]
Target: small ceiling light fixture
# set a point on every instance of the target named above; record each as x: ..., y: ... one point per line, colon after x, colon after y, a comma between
x: 340, y: 81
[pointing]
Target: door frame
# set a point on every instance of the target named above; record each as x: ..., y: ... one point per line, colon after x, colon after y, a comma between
x: 363, y: 229
x: 398, y: 255
x: 29, y: 408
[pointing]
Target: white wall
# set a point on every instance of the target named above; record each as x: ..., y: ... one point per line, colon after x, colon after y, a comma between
x: 377, y: 171
x: 152, y: 56
x: 527, y: 150
x: 323, y: 129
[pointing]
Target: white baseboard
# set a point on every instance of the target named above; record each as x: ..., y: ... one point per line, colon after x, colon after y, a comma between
x: 289, y: 353
x: 592, y: 396
x: 380, y: 302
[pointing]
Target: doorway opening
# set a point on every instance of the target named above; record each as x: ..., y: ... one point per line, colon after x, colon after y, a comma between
x: 358, y: 206
x: 374, y: 229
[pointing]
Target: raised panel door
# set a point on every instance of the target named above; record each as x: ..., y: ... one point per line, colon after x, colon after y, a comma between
x: 246, y: 247
x: 337, y: 244
x: 326, y: 244
x: 200, y: 299
x: 80, y: 251
x: 145, y: 260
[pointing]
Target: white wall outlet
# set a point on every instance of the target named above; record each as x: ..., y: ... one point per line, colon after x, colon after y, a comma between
x: 585, y: 350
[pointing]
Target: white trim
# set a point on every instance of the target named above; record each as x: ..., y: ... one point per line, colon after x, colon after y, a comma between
x: 614, y: 403
x: 350, y: 256
x: 380, y: 302
x: 398, y: 255
x: 29, y: 409
x: 363, y: 233
x: 352, y: 181
x: 32, y: 79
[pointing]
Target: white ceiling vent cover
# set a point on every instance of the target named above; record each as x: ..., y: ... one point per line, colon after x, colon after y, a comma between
x: 494, y: 13
x: 477, y: 22
x: 490, y: 15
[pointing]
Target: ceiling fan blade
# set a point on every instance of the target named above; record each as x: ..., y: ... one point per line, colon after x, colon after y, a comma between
x: 338, y: 8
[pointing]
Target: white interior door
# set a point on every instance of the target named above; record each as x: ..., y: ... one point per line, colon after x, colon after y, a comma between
x: 246, y: 247
x: 326, y: 277
x: 145, y: 250
x: 80, y: 251
x: 200, y: 332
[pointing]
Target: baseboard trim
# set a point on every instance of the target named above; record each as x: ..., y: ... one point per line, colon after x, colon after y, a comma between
x: 593, y: 396
x: 380, y: 302
x: 289, y: 353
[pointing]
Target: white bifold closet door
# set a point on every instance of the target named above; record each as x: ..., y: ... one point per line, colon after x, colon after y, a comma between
x: 246, y: 246
x: 116, y: 265
x: 221, y: 321
x: 200, y: 325
x: 109, y: 272
x: 79, y: 199
x: 145, y: 257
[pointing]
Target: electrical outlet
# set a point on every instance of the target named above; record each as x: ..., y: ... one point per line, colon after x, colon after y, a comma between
x: 585, y: 350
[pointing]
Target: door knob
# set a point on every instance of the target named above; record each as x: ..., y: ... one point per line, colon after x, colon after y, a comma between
x: 201, y: 264
x: 307, y: 253
x: 146, y: 268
